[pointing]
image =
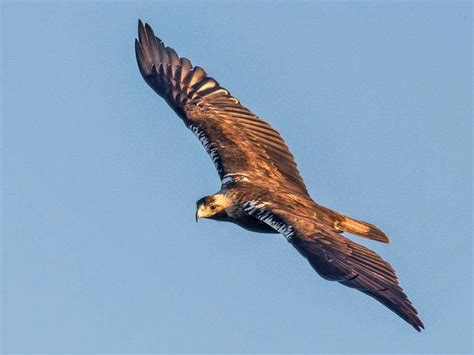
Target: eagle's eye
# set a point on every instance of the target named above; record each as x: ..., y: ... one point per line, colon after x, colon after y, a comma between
x: 212, y: 207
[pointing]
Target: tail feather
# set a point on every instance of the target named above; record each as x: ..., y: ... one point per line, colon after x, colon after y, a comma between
x: 347, y: 224
x: 361, y: 228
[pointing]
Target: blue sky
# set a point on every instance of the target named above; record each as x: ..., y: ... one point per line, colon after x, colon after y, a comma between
x: 100, y: 251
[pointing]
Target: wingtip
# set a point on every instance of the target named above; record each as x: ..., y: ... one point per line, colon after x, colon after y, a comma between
x: 140, y: 25
x: 149, y: 30
x: 419, y: 326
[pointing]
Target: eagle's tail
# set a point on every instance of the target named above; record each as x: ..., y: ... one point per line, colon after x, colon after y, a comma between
x: 354, y: 226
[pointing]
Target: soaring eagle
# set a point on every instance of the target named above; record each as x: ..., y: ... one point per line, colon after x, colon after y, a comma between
x: 261, y: 188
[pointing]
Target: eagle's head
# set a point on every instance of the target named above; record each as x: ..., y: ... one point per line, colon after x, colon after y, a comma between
x: 212, y: 207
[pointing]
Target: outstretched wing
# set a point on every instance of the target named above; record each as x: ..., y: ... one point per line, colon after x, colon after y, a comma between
x: 337, y: 258
x: 241, y: 145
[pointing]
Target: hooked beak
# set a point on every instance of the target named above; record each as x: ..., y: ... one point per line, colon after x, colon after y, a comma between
x: 199, y: 212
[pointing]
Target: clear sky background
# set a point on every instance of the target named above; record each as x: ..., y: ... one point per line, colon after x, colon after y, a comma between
x: 100, y: 251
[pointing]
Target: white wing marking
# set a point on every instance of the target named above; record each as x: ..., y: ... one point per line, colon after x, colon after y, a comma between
x: 256, y: 209
x: 210, y: 148
x: 230, y: 178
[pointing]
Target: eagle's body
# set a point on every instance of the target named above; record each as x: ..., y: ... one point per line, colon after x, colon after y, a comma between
x: 261, y: 188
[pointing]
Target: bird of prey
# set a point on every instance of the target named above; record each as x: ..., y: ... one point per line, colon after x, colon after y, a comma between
x: 261, y: 188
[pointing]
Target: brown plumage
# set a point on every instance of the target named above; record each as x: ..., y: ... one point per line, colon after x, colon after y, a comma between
x: 262, y: 189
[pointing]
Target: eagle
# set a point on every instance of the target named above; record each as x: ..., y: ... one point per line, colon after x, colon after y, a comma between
x: 261, y: 187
